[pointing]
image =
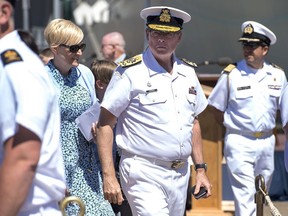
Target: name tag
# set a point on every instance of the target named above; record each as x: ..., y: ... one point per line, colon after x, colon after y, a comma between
x: 275, y: 87
x: 243, y: 88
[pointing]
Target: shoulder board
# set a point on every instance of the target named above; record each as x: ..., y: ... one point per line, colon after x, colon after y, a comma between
x: 10, y: 56
x: 131, y: 61
x: 276, y: 66
x: 229, y: 68
x: 189, y: 62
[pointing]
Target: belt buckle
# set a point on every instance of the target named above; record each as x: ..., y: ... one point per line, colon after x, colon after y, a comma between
x: 258, y: 134
x: 177, y: 164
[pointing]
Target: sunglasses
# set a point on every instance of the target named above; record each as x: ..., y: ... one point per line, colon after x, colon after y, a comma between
x: 157, y: 34
x: 75, y: 48
x: 252, y: 44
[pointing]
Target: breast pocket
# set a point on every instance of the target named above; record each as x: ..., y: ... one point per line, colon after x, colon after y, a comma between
x: 191, y: 98
x: 154, y: 107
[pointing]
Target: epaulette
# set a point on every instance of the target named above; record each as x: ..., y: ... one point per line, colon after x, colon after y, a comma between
x: 189, y: 62
x: 131, y: 61
x: 10, y: 56
x: 229, y: 68
x: 276, y: 66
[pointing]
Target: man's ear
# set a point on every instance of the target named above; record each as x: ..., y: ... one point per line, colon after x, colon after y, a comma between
x: 266, y: 50
x: 6, y: 11
x: 147, y: 34
x: 180, y: 36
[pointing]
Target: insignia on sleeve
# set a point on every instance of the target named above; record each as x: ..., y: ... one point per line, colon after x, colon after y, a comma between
x: 229, y: 68
x: 131, y: 61
x: 276, y: 66
x: 10, y: 56
x: 189, y: 62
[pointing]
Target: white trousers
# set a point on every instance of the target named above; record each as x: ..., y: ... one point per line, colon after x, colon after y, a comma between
x: 152, y: 189
x: 246, y: 158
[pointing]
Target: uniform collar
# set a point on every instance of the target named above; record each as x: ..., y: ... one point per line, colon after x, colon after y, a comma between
x: 6, y: 40
x: 120, y: 58
x: 153, y: 65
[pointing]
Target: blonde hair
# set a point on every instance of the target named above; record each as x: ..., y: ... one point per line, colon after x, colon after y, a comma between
x: 61, y: 31
x: 102, y: 70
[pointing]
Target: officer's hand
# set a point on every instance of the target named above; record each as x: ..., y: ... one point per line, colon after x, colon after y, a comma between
x: 202, y: 180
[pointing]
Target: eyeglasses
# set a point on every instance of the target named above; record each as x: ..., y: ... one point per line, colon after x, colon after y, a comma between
x: 253, y: 45
x: 106, y: 45
x: 157, y: 34
x: 112, y: 45
x: 75, y: 48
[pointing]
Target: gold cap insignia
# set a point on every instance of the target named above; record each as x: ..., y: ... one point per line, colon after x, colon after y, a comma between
x: 165, y: 15
x: 248, y: 29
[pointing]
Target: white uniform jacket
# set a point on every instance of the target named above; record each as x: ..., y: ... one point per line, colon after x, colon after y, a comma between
x: 155, y: 109
x: 250, y: 100
x: 28, y: 98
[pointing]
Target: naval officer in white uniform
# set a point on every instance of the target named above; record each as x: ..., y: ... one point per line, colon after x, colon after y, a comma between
x: 31, y: 165
x: 246, y: 100
x: 156, y: 98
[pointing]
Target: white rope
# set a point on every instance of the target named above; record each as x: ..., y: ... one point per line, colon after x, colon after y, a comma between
x: 274, y: 211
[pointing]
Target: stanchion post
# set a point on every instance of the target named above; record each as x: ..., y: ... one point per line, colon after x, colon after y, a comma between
x: 259, y: 197
x: 75, y: 199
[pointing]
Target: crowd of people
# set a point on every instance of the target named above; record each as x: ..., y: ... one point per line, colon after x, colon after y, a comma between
x: 147, y: 131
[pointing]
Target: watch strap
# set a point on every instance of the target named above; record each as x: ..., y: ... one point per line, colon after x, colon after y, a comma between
x: 200, y: 166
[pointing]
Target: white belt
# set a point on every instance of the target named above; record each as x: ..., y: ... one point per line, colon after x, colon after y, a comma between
x: 176, y: 164
x: 259, y: 134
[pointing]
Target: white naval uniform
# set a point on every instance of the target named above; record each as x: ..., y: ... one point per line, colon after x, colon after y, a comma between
x: 284, y: 118
x: 155, y: 113
x: 249, y: 101
x: 28, y: 99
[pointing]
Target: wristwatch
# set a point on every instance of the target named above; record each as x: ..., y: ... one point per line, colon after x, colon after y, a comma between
x: 199, y: 166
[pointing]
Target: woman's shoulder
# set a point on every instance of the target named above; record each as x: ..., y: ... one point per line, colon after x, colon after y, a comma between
x: 84, y: 69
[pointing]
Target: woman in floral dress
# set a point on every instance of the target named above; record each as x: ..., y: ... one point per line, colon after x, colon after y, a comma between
x: 75, y: 85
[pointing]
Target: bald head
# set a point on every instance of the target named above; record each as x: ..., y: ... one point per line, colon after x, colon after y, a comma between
x: 115, y: 38
x: 113, y: 45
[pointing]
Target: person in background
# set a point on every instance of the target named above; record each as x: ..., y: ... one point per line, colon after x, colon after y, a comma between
x: 102, y: 71
x: 246, y: 99
x: 29, y: 40
x: 76, y: 89
x: 155, y: 98
x: 113, y: 47
x: 46, y: 55
x: 284, y: 118
x: 31, y: 164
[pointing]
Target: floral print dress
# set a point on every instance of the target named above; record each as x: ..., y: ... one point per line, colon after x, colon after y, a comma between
x: 83, y: 177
